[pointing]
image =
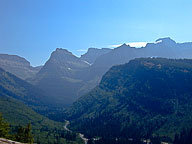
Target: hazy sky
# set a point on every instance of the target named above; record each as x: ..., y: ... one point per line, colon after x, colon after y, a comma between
x: 34, y: 28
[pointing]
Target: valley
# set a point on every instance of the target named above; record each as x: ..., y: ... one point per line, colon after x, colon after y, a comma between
x: 120, y: 95
x: 95, y: 72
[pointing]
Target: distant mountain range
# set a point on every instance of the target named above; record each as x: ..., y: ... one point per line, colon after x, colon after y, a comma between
x: 18, y: 66
x: 148, y: 97
x: 145, y: 98
x: 66, y: 77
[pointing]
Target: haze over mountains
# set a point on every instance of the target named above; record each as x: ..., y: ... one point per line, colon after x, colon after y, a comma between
x: 19, y: 104
x: 108, y: 98
x: 145, y: 98
x: 93, y: 53
x: 66, y: 77
x: 18, y: 66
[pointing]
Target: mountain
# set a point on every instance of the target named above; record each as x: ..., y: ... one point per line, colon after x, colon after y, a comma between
x: 147, y: 97
x: 93, y: 53
x: 163, y: 47
x: 63, y: 63
x: 60, y: 78
x: 66, y: 77
x: 17, y: 98
x: 27, y: 93
x: 21, y: 90
x: 44, y: 130
x: 18, y: 66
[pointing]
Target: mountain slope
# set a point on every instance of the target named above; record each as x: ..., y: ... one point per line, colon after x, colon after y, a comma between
x: 27, y: 93
x: 44, y: 130
x: 66, y: 77
x: 21, y: 90
x: 143, y: 98
x: 93, y: 53
x: 18, y: 66
x: 17, y: 97
x: 163, y: 47
x: 60, y: 78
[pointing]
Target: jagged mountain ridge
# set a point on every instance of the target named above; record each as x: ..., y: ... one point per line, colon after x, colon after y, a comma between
x: 163, y: 47
x: 59, y: 77
x: 93, y: 53
x: 67, y: 77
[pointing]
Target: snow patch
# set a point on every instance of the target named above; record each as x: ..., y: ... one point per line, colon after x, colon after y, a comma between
x: 158, y: 42
x: 87, y: 62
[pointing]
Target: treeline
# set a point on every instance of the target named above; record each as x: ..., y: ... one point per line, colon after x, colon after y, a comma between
x: 185, y: 137
x: 23, y: 134
x: 154, y: 140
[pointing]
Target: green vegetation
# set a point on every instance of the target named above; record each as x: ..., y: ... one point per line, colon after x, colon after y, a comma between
x: 4, y: 128
x: 185, y: 137
x: 23, y: 133
x: 144, y: 99
x: 43, y: 129
x: 15, y: 98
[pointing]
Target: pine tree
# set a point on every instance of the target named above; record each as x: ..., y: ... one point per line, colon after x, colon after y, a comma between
x: 24, y: 134
x: 28, y: 135
x: 4, y: 128
x: 20, y: 134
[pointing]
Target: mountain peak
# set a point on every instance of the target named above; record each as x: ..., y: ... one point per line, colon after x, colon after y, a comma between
x: 167, y: 41
x: 63, y: 51
x: 124, y: 44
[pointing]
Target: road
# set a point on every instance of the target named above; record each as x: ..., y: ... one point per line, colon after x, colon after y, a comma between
x: 80, y: 135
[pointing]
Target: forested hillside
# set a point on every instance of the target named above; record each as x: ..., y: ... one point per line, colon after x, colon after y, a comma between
x: 145, y: 98
x: 16, y: 98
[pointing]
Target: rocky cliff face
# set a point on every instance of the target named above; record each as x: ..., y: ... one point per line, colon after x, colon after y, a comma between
x: 17, y: 66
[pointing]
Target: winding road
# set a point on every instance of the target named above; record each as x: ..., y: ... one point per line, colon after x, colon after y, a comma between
x: 80, y: 135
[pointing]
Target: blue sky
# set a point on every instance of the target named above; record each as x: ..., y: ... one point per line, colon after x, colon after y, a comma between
x: 35, y: 28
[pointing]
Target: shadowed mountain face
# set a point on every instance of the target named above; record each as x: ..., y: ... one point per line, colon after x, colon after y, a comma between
x: 144, y: 97
x: 18, y: 66
x: 18, y: 100
x: 60, y: 76
x: 164, y: 47
x: 21, y: 90
x: 66, y: 77
x: 63, y: 64
x: 93, y: 53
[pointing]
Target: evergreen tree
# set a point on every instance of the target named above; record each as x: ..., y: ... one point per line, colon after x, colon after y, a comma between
x: 28, y: 135
x: 24, y: 134
x: 185, y: 137
x: 4, y: 128
x: 20, y: 134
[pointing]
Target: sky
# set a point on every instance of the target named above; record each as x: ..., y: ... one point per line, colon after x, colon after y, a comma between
x: 35, y: 28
